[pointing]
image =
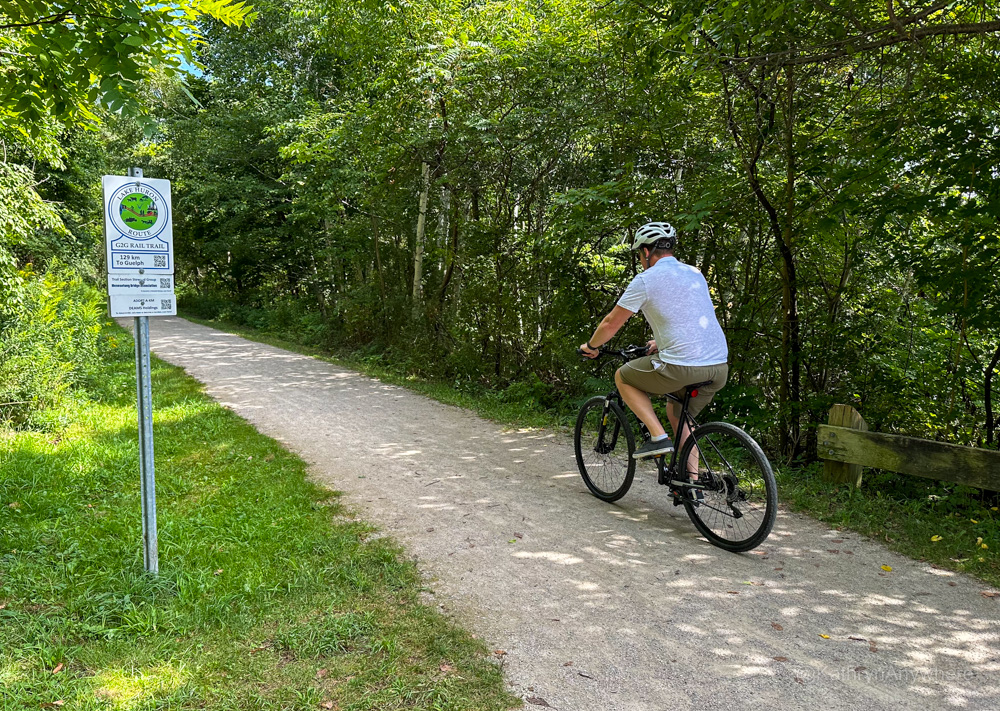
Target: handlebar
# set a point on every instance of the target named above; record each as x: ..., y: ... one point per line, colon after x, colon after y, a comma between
x: 625, y: 354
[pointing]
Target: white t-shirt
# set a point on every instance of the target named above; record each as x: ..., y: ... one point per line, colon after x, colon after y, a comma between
x: 674, y: 299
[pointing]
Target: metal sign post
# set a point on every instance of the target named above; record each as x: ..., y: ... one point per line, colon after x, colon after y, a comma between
x: 139, y: 244
x: 147, y: 470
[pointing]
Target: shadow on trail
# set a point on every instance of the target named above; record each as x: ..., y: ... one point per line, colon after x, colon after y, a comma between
x: 804, y: 595
x: 811, y: 611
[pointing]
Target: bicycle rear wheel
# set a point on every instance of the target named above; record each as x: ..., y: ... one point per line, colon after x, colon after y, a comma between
x: 740, y: 496
x: 604, y: 444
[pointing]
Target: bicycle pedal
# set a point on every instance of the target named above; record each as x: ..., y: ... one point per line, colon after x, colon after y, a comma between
x: 688, y: 484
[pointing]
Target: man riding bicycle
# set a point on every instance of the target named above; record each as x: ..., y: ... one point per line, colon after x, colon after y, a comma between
x: 688, y: 344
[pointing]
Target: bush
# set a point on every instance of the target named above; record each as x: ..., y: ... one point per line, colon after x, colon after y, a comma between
x: 199, y: 306
x: 48, y: 341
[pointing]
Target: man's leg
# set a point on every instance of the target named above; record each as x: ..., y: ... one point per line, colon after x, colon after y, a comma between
x: 674, y: 415
x: 718, y: 374
x: 638, y: 401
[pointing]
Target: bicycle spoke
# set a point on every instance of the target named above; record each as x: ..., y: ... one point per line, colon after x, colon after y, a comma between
x: 604, y: 445
x: 739, y: 505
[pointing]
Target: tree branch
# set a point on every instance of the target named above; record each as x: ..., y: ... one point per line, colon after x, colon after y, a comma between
x: 792, y: 57
x: 47, y: 20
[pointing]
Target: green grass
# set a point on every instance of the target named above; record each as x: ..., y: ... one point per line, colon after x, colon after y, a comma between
x: 903, y: 512
x: 270, y: 594
x: 907, y: 514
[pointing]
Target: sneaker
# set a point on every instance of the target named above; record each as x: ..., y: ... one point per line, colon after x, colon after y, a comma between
x: 650, y: 448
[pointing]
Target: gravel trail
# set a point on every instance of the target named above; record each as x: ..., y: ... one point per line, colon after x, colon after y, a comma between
x: 610, y: 606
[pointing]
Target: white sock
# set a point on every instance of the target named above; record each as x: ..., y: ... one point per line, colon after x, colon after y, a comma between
x: 658, y: 438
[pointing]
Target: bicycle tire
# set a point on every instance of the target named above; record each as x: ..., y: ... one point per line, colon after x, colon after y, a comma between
x: 737, y: 477
x: 606, y: 466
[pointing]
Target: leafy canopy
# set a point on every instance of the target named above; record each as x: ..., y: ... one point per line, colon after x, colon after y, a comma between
x: 61, y: 59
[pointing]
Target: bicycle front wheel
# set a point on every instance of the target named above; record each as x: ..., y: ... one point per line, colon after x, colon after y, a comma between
x: 740, y: 495
x: 604, y: 444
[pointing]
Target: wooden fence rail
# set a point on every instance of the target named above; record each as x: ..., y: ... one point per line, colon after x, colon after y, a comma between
x: 847, y: 446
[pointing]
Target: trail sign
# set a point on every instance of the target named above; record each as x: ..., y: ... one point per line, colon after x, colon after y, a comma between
x: 136, y: 283
x: 138, y: 225
x: 139, y: 241
x: 143, y: 304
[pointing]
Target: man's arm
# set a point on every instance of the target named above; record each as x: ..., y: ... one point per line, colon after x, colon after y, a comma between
x: 606, y: 330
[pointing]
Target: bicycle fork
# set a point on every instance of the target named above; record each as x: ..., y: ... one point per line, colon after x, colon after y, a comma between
x: 604, y: 447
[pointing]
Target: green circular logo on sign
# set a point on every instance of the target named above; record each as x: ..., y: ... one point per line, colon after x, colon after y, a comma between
x: 138, y: 211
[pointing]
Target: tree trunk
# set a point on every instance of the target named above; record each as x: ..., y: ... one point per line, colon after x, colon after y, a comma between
x: 378, y: 268
x: 441, y: 237
x: 418, y: 251
x: 991, y: 421
x: 452, y: 252
x: 317, y: 289
x: 497, y: 340
x: 790, y: 344
x: 751, y: 149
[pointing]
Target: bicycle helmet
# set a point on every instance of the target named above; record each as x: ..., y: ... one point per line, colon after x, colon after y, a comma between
x: 655, y: 235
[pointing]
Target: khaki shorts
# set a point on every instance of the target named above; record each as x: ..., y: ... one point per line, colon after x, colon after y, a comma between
x: 658, y: 378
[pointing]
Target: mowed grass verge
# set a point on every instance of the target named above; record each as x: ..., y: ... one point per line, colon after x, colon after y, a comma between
x: 270, y: 594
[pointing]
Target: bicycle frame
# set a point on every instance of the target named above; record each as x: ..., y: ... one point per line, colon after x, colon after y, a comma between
x: 664, y: 470
x: 682, y: 419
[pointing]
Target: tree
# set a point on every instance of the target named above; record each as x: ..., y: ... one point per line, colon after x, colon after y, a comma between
x: 797, y: 79
x: 64, y: 58
x: 816, y: 157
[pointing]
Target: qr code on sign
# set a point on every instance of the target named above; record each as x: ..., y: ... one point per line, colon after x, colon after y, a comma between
x: 164, y: 283
x: 166, y: 304
x: 159, y: 260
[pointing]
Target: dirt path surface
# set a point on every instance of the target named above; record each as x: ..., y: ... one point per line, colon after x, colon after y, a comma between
x: 610, y: 606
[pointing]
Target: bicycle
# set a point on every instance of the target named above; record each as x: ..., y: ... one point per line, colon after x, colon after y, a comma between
x: 732, y: 502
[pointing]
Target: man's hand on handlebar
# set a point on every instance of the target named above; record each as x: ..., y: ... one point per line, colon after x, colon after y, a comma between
x: 626, y: 354
x: 651, y: 347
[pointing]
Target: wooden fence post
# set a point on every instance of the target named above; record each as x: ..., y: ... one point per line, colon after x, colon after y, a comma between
x: 839, y: 472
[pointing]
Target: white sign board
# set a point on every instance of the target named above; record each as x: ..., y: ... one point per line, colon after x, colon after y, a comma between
x: 143, y: 304
x: 135, y: 283
x: 138, y: 225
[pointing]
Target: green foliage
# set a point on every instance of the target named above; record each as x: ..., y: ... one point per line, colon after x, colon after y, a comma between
x: 62, y: 58
x: 551, y: 130
x: 48, y: 342
x: 22, y: 214
x: 839, y: 199
x: 65, y: 65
